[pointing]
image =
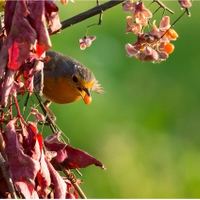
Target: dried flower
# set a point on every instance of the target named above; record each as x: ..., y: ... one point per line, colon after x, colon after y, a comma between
x: 185, y: 3
x: 129, y: 6
x: 86, y: 42
x: 132, y: 27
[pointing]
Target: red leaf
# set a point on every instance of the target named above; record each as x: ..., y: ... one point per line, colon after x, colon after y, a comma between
x: 9, y: 14
x: 59, y: 184
x: 52, y: 16
x: 30, y: 145
x: 50, y: 6
x: 3, y: 60
x: 29, y: 70
x: 43, y: 177
x: 40, y: 140
x: 37, y: 20
x: 69, y: 156
x: 77, y: 158
x: 54, y: 22
x: 20, y: 35
x: 22, y: 168
x: 7, y: 86
x: 26, y: 190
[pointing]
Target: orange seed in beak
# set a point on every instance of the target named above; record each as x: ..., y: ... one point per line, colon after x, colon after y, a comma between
x: 87, y: 99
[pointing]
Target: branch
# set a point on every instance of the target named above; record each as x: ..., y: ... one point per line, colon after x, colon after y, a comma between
x: 89, y: 13
x: 163, y: 6
x: 7, y: 178
x: 72, y: 178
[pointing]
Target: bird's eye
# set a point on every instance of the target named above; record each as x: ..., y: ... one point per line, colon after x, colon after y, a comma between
x: 75, y: 79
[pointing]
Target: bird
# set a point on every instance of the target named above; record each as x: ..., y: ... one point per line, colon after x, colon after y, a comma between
x: 66, y: 80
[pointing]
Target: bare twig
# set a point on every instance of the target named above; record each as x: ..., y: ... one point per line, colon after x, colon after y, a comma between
x: 52, y: 124
x: 89, y: 13
x: 188, y: 12
x: 72, y: 178
x: 7, y: 178
x: 163, y: 6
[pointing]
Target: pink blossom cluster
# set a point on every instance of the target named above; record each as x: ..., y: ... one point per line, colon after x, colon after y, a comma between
x: 154, y: 45
x: 140, y: 18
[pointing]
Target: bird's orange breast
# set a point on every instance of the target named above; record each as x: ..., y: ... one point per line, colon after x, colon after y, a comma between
x: 60, y: 90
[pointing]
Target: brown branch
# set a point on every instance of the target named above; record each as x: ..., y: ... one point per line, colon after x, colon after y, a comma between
x: 7, y: 178
x: 72, y: 178
x: 163, y: 6
x: 89, y: 13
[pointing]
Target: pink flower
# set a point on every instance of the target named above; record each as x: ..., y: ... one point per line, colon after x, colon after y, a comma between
x: 132, y: 27
x: 132, y: 50
x: 86, y: 42
x: 129, y: 6
x: 140, y: 15
x: 140, y: 8
x: 185, y: 3
x: 141, y: 19
x: 150, y: 54
x: 164, y: 33
x: 159, y: 33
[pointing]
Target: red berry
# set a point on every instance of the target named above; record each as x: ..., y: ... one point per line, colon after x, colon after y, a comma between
x: 169, y: 48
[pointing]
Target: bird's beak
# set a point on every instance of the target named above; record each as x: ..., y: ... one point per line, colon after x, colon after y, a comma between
x: 86, y: 96
x: 87, y: 91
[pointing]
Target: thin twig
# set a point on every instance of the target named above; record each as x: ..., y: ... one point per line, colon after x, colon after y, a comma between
x: 72, y: 178
x: 178, y: 18
x: 89, y: 13
x: 188, y: 12
x: 7, y: 178
x: 52, y: 124
x: 163, y: 6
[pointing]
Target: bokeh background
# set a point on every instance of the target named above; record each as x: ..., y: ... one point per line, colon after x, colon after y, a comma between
x: 146, y: 127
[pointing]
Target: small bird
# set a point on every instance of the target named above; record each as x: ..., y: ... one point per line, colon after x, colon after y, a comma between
x: 66, y: 80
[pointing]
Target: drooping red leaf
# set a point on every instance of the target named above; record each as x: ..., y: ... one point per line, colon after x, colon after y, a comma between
x: 54, y: 139
x: 22, y: 168
x: 30, y: 143
x: 9, y: 14
x: 28, y: 79
x: 58, y: 183
x: 69, y: 156
x: 54, y: 23
x: 7, y: 86
x: 38, y: 22
x: 29, y: 70
x: 20, y: 37
x: 3, y: 60
x: 27, y: 191
x: 50, y: 6
x: 52, y: 16
x: 40, y: 140
x: 77, y: 158
x: 43, y: 178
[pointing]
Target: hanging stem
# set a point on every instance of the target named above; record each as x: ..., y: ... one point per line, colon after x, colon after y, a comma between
x: 163, y: 6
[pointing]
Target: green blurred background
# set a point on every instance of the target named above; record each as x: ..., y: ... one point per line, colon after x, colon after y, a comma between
x: 146, y: 127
